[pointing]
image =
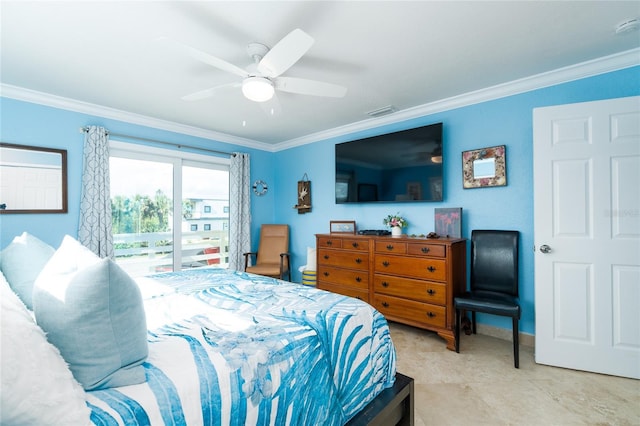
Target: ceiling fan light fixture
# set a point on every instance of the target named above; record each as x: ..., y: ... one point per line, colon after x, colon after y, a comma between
x: 258, y: 89
x: 436, y: 159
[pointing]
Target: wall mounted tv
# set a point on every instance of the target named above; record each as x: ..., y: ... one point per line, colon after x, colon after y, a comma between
x: 404, y: 166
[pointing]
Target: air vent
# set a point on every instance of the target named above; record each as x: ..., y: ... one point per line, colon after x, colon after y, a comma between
x: 382, y: 111
x: 628, y: 26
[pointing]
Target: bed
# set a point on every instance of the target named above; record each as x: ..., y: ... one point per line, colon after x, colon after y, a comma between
x: 263, y: 351
x: 231, y: 348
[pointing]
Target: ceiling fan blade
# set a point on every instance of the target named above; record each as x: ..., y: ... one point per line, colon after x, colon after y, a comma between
x: 207, y: 93
x: 286, y: 53
x: 303, y: 86
x: 209, y: 59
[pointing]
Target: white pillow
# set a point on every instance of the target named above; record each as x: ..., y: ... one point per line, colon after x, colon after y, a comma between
x: 21, y: 262
x: 92, y: 312
x: 36, y: 387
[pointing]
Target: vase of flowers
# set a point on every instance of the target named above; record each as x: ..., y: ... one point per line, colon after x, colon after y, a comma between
x: 396, y: 223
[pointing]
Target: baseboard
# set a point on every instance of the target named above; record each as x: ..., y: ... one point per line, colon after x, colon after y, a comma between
x: 526, y: 339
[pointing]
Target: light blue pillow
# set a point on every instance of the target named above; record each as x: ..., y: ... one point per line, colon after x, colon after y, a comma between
x: 21, y: 262
x: 92, y: 312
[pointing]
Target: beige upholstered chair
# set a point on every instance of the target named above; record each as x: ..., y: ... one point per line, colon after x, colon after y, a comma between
x: 272, y: 257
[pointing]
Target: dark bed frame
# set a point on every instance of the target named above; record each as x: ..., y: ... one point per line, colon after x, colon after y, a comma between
x: 393, y: 406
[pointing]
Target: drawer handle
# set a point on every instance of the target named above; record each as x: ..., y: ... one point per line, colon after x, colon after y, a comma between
x: 358, y: 279
x: 329, y: 243
x: 355, y: 244
x: 385, y: 284
x: 385, y: 304
x: 326, y: 257
x: 390, y: 247
x: 385, y: 263
x: 431, y: 269
x: 431, y: 314
x: 326, y: 274
x: 425, y: 249
x: 358, y: 260
x: 431, y: 292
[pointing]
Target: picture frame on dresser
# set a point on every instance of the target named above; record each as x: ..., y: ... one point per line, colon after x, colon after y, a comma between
x: 448, y: 222
x: 342, y: 226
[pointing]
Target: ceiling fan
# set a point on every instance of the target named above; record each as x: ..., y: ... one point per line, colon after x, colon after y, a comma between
x: 263, y: 77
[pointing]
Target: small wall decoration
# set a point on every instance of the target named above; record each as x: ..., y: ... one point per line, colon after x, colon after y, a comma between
x: 342, y: 227
x: 304, y: 195
x: 448, y: 222
x: 484, y: 167
x: 260, y: 188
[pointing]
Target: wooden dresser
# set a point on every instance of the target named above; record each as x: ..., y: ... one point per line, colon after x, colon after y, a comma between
x: 409, y: 280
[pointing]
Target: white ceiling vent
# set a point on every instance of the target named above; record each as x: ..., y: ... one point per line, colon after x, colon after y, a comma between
x: 628, y: 26
x: 382, y: 111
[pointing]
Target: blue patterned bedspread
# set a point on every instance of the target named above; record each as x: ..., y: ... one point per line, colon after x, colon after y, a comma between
x: 230, y: 348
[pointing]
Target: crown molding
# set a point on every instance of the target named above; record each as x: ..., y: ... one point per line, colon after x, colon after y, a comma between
x: 41, y: 98
x: 567, y: 74
x: 591, y: 68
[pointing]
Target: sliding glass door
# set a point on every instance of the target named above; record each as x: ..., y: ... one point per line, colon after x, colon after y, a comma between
x: 170, y: 209
x: 205, y: 213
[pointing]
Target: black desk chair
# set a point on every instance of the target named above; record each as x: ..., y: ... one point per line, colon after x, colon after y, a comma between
x: 494, y: 281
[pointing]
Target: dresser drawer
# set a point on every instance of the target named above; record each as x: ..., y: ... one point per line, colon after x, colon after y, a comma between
x: 391, y: 247
x: 423, y: 268
x: 426, y: 249
x: 355, y: 244
x: 345, y: 291
x: 329, y: 242
x: 348, y: 277
x: 424, y: 291
x: 344, y: 259
x: 425, y: 313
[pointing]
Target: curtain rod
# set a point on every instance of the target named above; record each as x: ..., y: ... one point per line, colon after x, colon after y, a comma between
x: 115, y: 135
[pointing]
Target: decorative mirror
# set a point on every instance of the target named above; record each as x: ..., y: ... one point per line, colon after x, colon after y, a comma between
x: 484, y: 167
x: 32, y: 179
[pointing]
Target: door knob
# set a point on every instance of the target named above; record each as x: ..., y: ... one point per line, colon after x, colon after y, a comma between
x: 545, y: 249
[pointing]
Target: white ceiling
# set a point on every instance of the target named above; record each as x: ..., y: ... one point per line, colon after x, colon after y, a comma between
x: 404, y: 54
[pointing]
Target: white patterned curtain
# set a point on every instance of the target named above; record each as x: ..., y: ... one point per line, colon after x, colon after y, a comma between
x: 239, y: 210
x: 94, y: 230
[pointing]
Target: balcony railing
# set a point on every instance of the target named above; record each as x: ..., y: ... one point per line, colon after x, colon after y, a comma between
x: 148, y: 253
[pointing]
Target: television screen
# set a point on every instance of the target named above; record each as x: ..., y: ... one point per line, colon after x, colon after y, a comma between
x: 404, y: 166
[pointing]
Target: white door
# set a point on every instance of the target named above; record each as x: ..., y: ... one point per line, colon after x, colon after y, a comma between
x: 587, y: 236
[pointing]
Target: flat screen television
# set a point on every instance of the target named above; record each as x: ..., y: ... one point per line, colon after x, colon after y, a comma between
x: 403, y: 166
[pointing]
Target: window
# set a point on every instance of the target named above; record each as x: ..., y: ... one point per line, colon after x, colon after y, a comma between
x: 207, y: 209
x: 157, y: 199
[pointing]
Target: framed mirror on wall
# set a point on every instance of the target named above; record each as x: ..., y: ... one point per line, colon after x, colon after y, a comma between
x: 32, y: 179
x: 484, y: 167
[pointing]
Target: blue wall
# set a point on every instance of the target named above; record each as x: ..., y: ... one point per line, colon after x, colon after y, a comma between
x: 31, y: 124
x: 506, y: 121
